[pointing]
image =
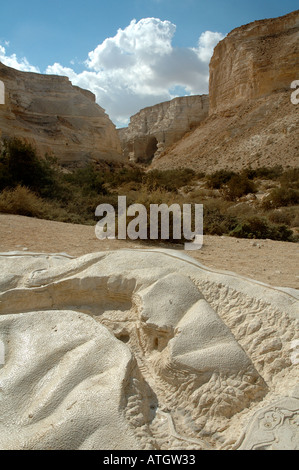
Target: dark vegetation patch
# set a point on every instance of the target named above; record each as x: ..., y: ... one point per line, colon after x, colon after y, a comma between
x: 40, y: 187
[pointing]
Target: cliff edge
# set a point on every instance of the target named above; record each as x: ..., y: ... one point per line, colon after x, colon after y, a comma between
x: 56, y: 117
x: 252, y: 120
x: 155, y: 128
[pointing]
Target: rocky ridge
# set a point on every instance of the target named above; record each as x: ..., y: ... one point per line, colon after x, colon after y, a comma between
x: 252, y: 121
x: 56, y: 117
x: 155, y: 128
x: 254, y: 60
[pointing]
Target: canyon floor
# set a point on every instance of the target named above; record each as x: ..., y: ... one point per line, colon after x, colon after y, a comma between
x: 272, y: 262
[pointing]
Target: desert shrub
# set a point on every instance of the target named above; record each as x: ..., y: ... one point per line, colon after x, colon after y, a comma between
x: 280, y: 197
x: 217, y: 220
x: 290, y: 178
x: 257, y: 227
x: 147, y: 198
x: 238, y: 186
x: 295, y: 216
x: 169, y: 180
x: 38, y: 187
x: 119, y: 177
x: 279, y: 216
x: 20, y: 165
x: 241, y: 211
x: 200, y: 195
x: 21, y: 201
x: 271, y: 173
x: 217, y: 179
x: 284, y: 215
x: 88, y: 179
x: 200, y: 175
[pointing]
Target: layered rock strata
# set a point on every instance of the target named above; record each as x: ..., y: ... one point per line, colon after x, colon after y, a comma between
x: 253, y: 61
x: 252, y: 119
x: 156, y: 128
x: 56, y: 117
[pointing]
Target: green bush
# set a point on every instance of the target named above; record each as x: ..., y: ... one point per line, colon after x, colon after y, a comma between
x: 119, y: 177
x: 21, y: 201
x: 217, y: 179
x: 39, y: 187
x: 88, y: 179
x: 290, y: 178
x: 20, y: 165
x: 238, y: 186
x: 217, y: 220
x: 272, y: 173
x: 257, y: 227
x: 169, y: 180
x: 280, y: 197
x: 279, y: 216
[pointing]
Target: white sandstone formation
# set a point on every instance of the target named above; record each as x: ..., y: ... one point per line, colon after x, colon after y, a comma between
x: 156, y: 128
x: 144, y: 350
x: 56, y: 117
x: 254, y: 60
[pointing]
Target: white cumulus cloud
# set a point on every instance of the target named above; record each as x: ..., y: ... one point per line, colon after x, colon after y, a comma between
x: 206, y: 45
x: 139, y: 43
x: 138, y: 67
x: 14, y: 62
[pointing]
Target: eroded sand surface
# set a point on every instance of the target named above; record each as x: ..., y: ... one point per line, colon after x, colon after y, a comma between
x: 143, y: 349
x: 275, y: 263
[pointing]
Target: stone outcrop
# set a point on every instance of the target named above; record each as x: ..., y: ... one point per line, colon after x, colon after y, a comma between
x: 144, y: 349
x: 156, y: 128
x: 57, y: 117
x: 254, y: 60
x: 252, y: 120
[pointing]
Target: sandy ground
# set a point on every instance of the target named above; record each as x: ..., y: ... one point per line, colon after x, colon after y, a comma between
x: 275, y: 263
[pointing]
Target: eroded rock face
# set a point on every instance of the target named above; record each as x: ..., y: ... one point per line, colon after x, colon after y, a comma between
x: 253, y: 61
x: 139, y: 350
x: 252, y: 121
x: 156, y: 128
x: 57, y: 117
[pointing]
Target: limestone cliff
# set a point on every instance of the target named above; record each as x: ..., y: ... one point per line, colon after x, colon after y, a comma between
x: 252, y: 120
x: 57, y: 117
x: 254, y: 60
x: 156, y: 128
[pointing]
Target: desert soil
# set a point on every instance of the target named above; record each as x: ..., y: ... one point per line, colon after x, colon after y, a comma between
x: 275, y: 263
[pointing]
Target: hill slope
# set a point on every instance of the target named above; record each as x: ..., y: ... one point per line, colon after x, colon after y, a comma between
x: 252, y: 120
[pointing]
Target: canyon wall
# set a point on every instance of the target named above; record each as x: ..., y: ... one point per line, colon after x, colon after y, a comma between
x: 155, y: 128
x: 252, y: 119
x: 253, y: 61
x: 56, y: 117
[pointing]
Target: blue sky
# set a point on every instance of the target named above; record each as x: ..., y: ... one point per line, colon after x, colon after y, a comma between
x: 130, y: 53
